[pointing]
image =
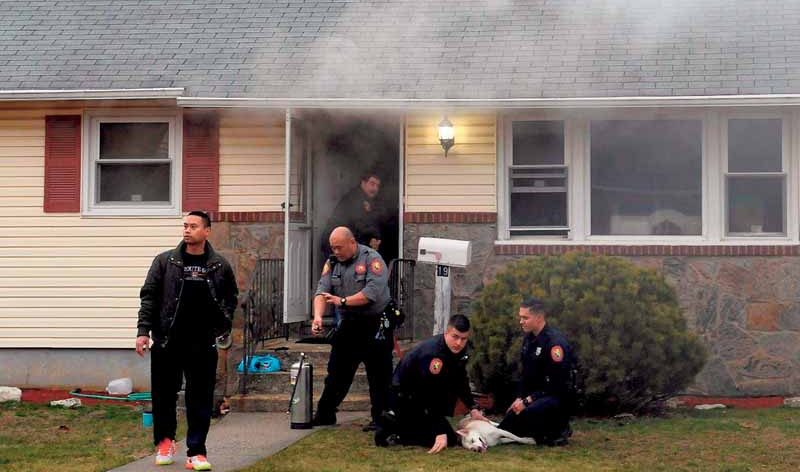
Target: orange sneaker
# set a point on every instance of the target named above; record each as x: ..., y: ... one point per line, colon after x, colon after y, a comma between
x: 165, y: 452
x: 198, y: 462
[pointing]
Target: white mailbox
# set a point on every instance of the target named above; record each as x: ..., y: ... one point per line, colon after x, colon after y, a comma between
x: 448, y: 252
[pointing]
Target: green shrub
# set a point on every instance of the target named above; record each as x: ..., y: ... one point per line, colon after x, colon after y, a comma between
x: 623, y: 322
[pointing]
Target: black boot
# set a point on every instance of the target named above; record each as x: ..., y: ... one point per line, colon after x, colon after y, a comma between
x: 324, y: 419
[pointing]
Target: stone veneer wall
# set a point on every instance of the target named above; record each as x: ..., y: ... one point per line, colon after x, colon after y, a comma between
x: 242, y: 243
x: 745, y: 308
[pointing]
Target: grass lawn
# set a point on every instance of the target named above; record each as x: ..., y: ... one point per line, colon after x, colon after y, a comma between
x: 719, y: 440
x: 90, y: 438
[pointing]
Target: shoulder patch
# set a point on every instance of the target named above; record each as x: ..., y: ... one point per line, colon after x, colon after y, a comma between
x: 436, y: 366
x: 326, y: 268
x: 557, y: 353
x: 361, y: 269
x: 376, y: 267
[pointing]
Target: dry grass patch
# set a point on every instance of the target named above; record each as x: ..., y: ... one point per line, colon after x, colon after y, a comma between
x: 729, y: 440
x: 90, y: 438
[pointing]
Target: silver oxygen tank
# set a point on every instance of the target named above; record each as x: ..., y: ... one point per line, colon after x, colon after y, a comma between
x: 301, y: 402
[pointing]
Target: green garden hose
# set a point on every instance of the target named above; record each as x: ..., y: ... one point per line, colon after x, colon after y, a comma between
x: 132, y: 397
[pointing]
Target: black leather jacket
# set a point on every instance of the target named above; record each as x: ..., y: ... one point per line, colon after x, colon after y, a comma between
x: 161, y: 294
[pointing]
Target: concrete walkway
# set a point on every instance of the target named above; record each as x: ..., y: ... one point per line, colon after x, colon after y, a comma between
x: 238, y: 440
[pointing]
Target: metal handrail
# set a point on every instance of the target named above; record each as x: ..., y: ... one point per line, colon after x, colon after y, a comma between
x: 263, y: 311
x: 401, y: 287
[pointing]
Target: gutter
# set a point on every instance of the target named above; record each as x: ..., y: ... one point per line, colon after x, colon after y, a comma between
x: 92, y: 94
x: 511, y: 103
x: 403, y: 103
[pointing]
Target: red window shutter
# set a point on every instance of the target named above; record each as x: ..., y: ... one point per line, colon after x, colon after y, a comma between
x: 200, y: 162
x: 62, y: 164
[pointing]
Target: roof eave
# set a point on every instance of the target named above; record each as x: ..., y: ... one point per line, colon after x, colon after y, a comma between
x: 92, y: 94
x: 510, y: 103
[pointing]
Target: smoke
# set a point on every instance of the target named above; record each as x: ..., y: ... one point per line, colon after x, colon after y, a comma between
x: 405, y: 48
x: 518, y: 49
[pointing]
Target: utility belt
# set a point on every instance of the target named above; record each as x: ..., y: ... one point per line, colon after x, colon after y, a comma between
x: 391, y: 317
x: 386, y: 321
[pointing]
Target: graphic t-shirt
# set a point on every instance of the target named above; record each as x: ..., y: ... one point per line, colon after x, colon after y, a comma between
x: 193, y: 323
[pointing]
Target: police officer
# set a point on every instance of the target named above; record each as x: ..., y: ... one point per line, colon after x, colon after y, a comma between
x: 542, y: 407
x: 425, y: 387
x: 355, y: 281
x: 360, y: 211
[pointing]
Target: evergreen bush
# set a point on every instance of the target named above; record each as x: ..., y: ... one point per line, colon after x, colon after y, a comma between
x: 623, y: 322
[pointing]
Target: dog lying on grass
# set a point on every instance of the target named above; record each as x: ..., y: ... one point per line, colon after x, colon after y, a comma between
x: 479, y: 435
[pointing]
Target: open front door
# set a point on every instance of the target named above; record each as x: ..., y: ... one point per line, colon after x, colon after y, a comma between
x: 297, y: 229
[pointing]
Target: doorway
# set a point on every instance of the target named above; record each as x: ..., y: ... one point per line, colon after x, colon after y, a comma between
x: 344, y: 146
x: 327, y: 154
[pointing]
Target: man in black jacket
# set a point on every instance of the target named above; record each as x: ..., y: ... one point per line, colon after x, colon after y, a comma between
x: 361, y: 212
x: 542, y: 407
x: 187, y: 301
x: 426, y: 384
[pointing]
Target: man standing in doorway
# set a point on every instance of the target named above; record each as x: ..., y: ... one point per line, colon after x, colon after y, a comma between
x: 187, y: 301
x: 360, y: 211
x: 355, y: 281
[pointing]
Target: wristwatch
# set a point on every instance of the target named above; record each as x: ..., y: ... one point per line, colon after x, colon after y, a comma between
x: 525, y: 401
x: 343, y: 301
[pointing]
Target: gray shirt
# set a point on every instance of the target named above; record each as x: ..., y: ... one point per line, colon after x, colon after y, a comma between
x: 366, y: 273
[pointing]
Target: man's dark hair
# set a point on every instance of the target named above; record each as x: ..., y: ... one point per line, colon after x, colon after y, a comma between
x: 459, y: 322
x: 370, y: 173
x: 534, y: 305
x: 203, y: 216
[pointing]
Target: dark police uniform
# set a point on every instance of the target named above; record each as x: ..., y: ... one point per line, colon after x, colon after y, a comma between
x: 547, y: 361
x: 356, y: 338
x: 425, y: 387
x: 363, y: 216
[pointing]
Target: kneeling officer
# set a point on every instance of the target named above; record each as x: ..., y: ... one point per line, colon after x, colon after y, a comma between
x: 546, y: 394
x: 425, y: 387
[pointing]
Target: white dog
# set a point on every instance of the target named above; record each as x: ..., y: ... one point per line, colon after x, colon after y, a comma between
x: 479, y: 435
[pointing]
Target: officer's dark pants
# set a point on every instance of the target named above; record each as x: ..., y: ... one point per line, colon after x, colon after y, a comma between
x: 354, y: 343
x: 167, y: 367
x: 542, y: 420
x: 416, y: 427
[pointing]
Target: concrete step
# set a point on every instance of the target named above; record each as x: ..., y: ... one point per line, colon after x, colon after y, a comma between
x: 277, y: 402
x: 279, y: 382
x: 289, y: 353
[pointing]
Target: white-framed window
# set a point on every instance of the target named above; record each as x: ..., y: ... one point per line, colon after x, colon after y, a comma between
x: 660, y: 176
x: 755, y: 176
x: 132, y: 164
x: 646, y: 177
x: 538, y: 179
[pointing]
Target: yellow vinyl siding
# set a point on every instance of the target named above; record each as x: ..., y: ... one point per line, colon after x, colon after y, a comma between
x: 65, y: 281
x: 464, y: 181
x: 251, y: 151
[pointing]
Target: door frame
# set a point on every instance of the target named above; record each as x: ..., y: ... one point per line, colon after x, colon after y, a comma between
x: 288, y: 225
x: 290, y: 115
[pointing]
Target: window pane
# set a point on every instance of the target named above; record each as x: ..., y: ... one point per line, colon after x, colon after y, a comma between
x: 754, y: 146
x: 133, y: 183
x: 134, y: 140
x: 539, y: 209
x: 646, y: 177
x: 755, y: 204
x: 538, y: 142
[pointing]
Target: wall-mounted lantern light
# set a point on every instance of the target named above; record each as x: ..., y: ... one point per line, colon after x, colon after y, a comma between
x: 446, y: 134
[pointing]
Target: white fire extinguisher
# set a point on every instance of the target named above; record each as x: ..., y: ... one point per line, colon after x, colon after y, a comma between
x: 301, y: 401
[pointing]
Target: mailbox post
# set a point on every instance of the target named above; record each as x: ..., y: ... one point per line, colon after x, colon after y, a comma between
x: 445, y: 253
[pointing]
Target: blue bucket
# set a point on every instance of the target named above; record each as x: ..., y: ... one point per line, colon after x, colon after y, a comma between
x: 147, y: 419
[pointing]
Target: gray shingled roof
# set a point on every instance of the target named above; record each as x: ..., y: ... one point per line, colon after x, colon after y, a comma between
x: 404, y: 49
